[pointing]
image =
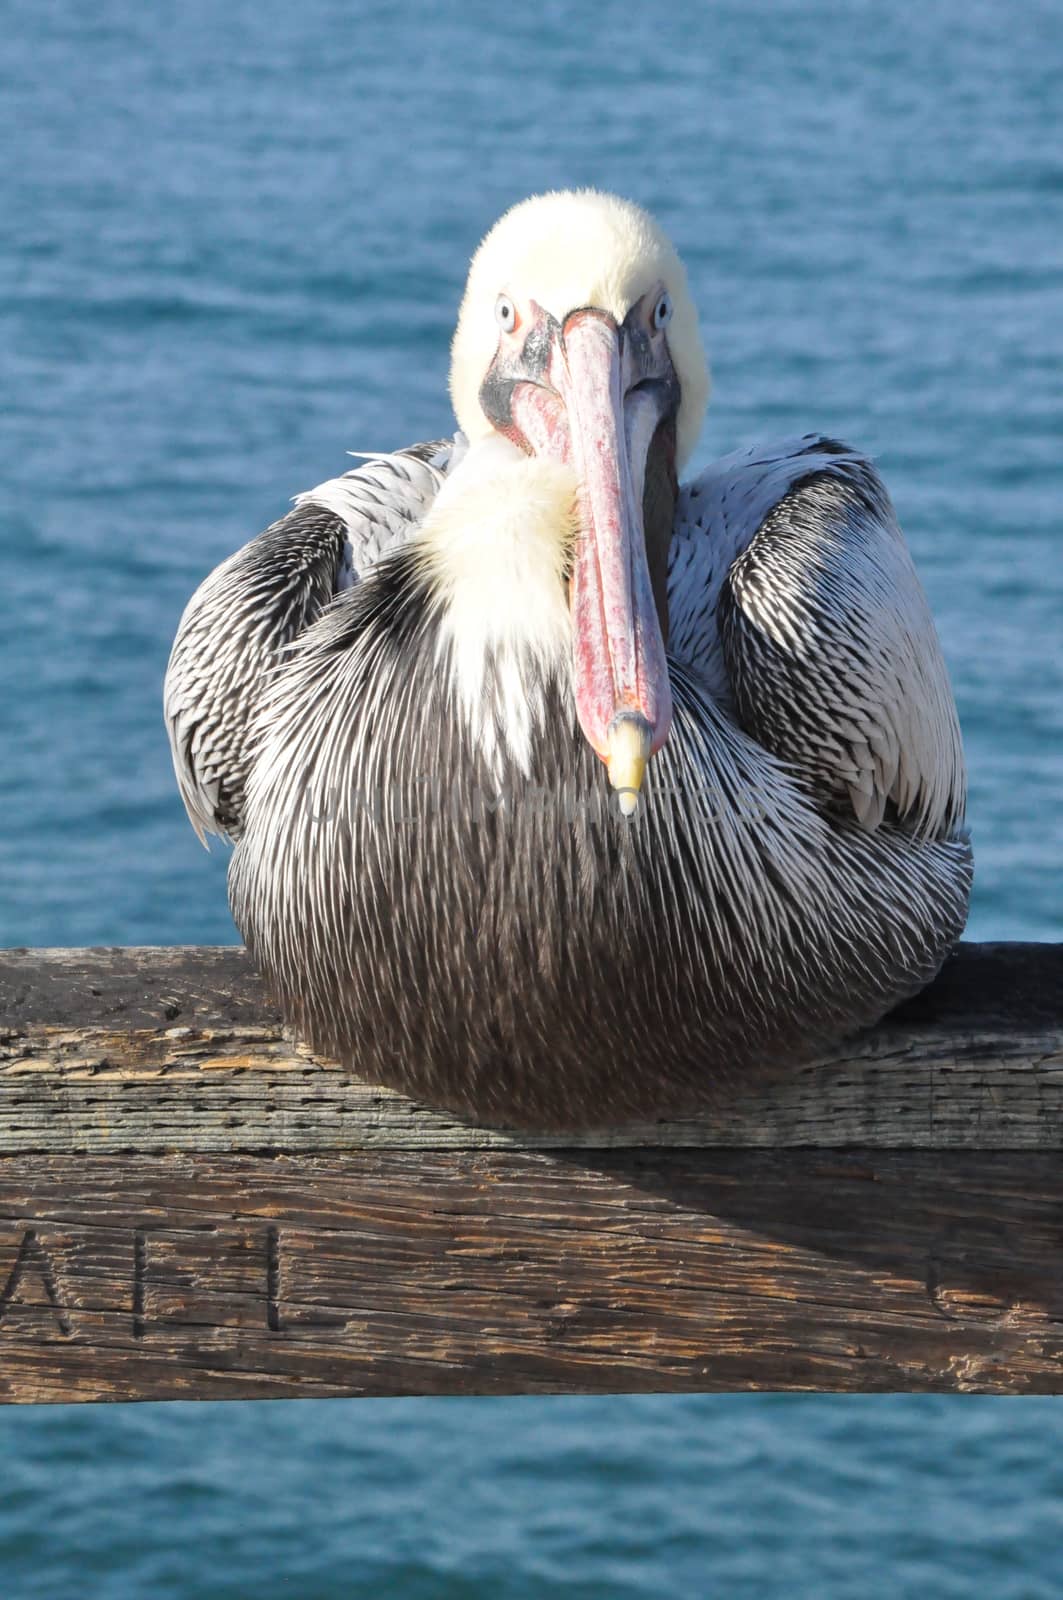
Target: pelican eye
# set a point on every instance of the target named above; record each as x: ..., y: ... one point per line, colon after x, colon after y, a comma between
x: 662, y: 311
x: 505, y: 313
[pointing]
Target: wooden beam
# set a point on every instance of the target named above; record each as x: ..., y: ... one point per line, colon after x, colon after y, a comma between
x: 179, y: 1049
x: 193, y: 1206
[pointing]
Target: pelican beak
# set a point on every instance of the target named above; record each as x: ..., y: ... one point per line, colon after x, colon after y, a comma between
x: 623, y: 697
x: 594, y: 393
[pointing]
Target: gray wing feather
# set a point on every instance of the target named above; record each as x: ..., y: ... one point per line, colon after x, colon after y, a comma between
x: 818, y: 635
x: 238, y: 624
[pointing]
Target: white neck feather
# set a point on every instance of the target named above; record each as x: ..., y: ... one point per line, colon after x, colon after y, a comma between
x: 495, y: 545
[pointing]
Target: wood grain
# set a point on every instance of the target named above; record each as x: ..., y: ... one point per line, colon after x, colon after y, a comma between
x: 177, y: 1049
x: 490, y: 1272
x: 191, y: 1206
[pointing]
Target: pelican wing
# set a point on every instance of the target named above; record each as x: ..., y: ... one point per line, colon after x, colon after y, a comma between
x: 241, y: 619
x: 793, y: 591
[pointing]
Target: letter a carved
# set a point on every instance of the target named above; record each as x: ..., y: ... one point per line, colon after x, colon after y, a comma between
x: 32, y: 1262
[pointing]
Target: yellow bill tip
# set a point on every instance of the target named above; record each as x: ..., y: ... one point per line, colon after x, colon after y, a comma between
x: 630, y: 741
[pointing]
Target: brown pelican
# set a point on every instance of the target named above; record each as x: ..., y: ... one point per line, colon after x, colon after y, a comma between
x: 560, y: 794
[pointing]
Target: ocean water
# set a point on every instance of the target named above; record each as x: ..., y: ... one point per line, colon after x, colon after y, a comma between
x: 232, y: 243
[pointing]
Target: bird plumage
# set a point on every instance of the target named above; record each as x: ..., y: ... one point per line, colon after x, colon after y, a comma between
x: 821, y: 636
x: 377, y: 700
x: 462, y: 929
x: 242, y: 618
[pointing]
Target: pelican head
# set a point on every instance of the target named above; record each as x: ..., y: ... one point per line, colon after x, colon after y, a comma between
x: 577, y: 340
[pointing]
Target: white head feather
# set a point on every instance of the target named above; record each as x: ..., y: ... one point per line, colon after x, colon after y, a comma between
x: 565, y: 250
x: 494, y: 545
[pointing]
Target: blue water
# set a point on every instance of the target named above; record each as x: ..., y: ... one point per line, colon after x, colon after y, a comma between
x: 232, y: 239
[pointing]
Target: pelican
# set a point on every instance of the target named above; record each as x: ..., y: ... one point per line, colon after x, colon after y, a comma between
x: 562, y: 795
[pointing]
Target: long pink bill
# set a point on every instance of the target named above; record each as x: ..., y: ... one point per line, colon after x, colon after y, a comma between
x: 623, y: 698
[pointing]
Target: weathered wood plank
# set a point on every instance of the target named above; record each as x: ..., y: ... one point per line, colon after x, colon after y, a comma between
x: 180, y: 1050
x: 193, y: 1206
x: 497, y: 1272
